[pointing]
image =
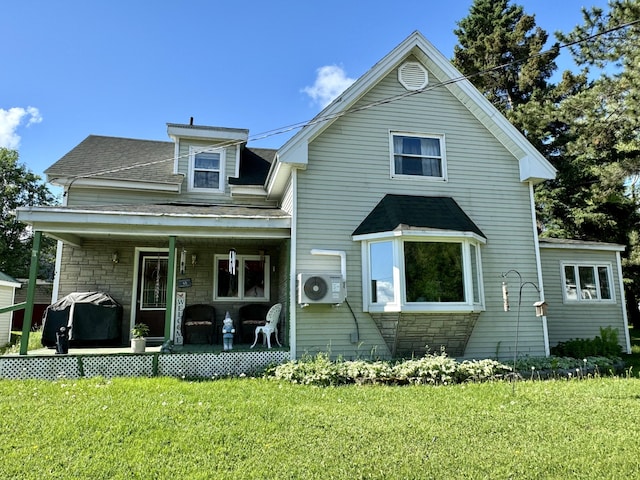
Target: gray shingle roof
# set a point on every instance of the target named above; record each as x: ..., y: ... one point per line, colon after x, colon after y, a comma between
x: 406, y: 211
x: 117, y: 158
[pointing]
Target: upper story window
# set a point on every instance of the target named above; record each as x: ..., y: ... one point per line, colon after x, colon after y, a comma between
x: 416, y: 155
x: 586, y: 283
x: 206, y: 169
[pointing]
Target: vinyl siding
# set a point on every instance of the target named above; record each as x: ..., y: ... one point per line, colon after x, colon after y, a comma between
x: 6, y: 299
x: 183, y: 168
x: 94, y: 196
x: 567, y: 320
x: 286, y: 204
x: 349, y: 172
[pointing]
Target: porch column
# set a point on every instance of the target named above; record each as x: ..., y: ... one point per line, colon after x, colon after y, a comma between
x: 171, y: 287
x: 31, y: 292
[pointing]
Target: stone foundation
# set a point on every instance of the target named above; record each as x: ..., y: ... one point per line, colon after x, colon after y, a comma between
x: 412, y: 334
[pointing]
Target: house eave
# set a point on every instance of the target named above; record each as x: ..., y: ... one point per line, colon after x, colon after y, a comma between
x: 115, y: 184
x: 422, y: 233
x: 72, y: 226
x: 200, y: 132
x: 248, y: 191
x: 554, y: 243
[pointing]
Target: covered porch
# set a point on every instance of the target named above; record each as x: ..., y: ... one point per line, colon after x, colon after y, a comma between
x: 157, y: 260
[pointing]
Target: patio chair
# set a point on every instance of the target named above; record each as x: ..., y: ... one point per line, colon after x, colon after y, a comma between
x: 251, y: 316
x: 199, y: 319
x: 271, y: 327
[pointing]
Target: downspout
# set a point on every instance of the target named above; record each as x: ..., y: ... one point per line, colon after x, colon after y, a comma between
x: 545, y: 330
x: 31, y: 292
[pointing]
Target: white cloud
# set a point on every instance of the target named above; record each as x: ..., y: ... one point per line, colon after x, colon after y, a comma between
x: 11, y: 119
x: 331, y: 81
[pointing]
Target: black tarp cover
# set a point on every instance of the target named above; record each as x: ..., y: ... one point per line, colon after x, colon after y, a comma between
x: 92, y: 318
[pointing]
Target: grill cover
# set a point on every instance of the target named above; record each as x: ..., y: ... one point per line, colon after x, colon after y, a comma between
x: 93, y: 318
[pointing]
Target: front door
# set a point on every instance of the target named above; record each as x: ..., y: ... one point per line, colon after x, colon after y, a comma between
x: 151, y: 302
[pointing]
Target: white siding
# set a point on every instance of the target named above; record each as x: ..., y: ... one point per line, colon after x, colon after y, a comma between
x: 286, y: 204
x: 567, y: 320
x: 349, y: 172
x: 6, y: 299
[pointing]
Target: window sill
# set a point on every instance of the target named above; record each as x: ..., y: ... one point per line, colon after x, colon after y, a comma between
x: 430, y: 308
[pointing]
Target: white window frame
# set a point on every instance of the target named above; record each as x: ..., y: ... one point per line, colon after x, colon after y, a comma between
x: 467, y: 240
x: 240, y: 273
x: 193, y: 151
x: 584, y: 297
x: 443, y: 156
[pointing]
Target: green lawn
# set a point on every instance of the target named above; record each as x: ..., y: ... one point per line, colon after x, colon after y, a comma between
x: 256, y: 428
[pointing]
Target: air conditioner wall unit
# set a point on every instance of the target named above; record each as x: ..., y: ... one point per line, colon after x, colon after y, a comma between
x: 328, y: 288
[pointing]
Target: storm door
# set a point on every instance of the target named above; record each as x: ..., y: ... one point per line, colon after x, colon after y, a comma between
x: 152, y: 291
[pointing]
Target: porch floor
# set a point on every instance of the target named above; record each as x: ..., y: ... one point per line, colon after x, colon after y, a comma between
x: 189, y: 348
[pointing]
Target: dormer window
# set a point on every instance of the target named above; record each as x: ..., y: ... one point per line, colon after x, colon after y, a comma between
x: 206, y: 169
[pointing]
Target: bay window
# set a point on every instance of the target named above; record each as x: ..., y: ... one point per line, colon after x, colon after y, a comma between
x: 422, y: 273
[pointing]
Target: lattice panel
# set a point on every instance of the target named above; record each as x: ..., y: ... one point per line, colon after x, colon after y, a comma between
x: 210, y: 365
x: 191, y: 365
x: 118, y: 366
x: 44, y: 368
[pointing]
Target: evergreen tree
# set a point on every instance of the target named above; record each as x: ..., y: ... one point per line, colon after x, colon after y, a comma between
x: 500, y: 47
x: 598, y: 182
x: 20, y: 187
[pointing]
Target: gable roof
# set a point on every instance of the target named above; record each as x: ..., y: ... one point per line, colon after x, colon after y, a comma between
x: 116, y: 159
x: 411, y: 212
x: 294, y: 153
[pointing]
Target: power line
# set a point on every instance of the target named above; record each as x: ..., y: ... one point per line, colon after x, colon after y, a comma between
x: 325, y: 118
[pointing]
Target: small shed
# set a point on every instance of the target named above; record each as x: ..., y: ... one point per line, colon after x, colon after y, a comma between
x: 8, y: 287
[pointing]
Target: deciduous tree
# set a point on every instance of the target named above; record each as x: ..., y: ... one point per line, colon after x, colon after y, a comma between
x: 20, y: 187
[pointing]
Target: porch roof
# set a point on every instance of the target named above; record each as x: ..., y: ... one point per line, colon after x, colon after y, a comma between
x: 72, y: 224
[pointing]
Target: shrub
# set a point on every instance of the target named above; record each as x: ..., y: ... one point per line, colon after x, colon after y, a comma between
x: 431, y: 369
x: 605, y: 345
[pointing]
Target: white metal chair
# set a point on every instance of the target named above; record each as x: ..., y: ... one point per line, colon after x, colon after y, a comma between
x: 273, y: 317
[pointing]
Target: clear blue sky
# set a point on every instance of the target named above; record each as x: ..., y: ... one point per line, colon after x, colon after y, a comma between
x: 71, y: 68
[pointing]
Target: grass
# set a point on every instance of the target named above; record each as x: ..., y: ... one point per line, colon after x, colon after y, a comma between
x: 258, y: 428
x: 35, y: 338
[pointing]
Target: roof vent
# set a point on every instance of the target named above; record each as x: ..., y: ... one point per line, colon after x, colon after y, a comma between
x: 413, y: 76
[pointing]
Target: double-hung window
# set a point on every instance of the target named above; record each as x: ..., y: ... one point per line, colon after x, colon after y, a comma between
x: 417, y: 156
x: 422, y: 274
x: 249, y: 280
x: 587, y: 283
x: 206, y: 169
